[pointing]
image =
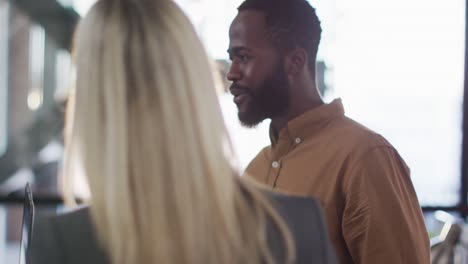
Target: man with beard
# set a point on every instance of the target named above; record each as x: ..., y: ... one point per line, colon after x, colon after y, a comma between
x: 372, y: 211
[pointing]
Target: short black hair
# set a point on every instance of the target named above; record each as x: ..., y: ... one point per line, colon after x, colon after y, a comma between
x: 291, y: 24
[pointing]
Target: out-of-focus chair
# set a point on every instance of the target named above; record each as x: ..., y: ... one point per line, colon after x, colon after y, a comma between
x: 451, y: 245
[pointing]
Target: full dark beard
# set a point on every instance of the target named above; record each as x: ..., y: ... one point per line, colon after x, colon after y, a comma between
x: 271, y: 99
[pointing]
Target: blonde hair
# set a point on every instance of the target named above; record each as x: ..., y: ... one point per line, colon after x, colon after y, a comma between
x: 145, y: 124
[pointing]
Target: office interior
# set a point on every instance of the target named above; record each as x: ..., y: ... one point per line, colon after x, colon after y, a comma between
x: 399, y: 66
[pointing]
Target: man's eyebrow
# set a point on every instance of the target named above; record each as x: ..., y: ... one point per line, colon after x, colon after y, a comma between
x: 235, y: 50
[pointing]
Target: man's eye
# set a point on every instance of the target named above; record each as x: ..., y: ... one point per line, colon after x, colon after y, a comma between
x: 243, y: 58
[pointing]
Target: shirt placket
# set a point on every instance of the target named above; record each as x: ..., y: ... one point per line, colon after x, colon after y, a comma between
x: 274, y: 173
x: 283, y: 147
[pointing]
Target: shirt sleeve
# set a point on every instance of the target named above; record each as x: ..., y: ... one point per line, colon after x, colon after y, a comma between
x: 382, y: 219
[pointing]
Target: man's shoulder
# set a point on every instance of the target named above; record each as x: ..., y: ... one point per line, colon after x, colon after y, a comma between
x: 357, y: 136
x: 366, y: 149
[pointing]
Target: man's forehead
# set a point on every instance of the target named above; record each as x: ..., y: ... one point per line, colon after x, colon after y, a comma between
x: 249, y: 27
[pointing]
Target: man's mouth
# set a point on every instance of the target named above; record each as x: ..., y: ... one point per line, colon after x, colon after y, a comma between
x: 240, y: 98
x: 241, y: 94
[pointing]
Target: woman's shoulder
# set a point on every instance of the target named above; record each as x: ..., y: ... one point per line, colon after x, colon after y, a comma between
x: 69, y: 217
x: 305, y: 219
x: 69, y: 236
x: 294, y: 205
x: 73, y: 224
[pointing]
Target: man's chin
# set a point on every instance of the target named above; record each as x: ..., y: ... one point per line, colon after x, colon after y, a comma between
x: 249, y: 120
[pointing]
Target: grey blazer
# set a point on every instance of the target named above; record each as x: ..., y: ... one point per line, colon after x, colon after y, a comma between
x: 70, y: 238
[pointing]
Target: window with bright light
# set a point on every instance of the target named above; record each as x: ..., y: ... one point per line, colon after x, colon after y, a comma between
x: 398, y: 66
x: 36, y: 66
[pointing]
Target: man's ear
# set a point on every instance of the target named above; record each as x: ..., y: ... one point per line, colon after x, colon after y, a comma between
x: 295, y: 61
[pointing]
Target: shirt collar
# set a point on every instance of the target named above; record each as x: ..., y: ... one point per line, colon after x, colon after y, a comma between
x: 309, y: 122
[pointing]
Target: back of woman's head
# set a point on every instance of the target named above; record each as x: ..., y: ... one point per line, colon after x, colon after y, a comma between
x: 145, y: 125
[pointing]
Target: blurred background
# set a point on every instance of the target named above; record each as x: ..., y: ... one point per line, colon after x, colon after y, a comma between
x: 398, y: 66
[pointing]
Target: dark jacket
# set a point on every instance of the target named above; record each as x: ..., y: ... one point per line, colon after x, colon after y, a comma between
x: 71, y: 239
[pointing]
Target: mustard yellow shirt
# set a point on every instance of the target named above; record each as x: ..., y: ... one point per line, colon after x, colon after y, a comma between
x: 363, y: 184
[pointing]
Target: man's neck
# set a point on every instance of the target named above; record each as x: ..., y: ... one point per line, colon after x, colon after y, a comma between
x: 296, y: 110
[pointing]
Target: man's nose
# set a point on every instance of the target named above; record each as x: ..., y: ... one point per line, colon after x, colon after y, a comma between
x: 234, y: 73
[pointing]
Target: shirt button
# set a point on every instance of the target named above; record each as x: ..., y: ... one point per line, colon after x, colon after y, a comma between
x: 297, y: 140
x: 275, y: 164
